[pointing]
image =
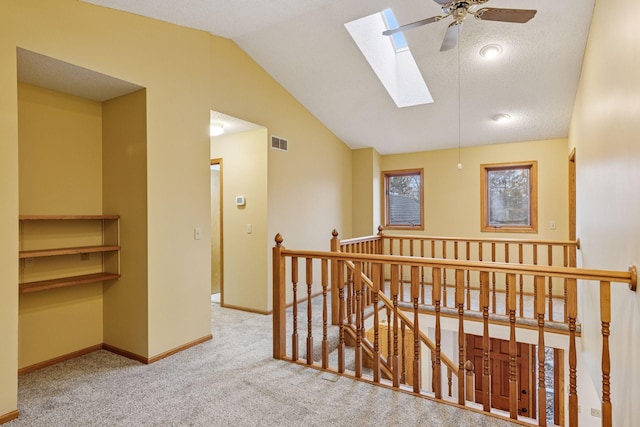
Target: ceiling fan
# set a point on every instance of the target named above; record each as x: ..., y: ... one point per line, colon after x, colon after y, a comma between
x: 458, y: 10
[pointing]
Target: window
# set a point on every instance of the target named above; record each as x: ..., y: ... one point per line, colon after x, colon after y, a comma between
x: 403, y: 199
x: 509, y: 197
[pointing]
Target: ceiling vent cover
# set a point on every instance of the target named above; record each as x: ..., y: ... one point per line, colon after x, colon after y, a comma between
x: 278, y: 143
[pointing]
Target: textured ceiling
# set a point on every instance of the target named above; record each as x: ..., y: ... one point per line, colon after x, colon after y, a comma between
x: 306, y: 48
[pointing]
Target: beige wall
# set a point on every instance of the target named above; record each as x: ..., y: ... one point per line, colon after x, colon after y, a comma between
x: 244, y: 157
x: 452, y: 196
x: 60, y: 158
x: 366, y: 191
x: 124, y: 157
x: 604, y: 131
x: 187, y: 74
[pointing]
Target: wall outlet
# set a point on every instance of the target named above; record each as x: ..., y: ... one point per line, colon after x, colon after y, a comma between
x: 596, y: 413
x: 84, y: 257
x: 197, y: 233
x: 552, y: 225
x: 29, y: 262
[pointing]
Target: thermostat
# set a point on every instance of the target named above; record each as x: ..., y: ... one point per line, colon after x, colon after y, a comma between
x: 240, y: 201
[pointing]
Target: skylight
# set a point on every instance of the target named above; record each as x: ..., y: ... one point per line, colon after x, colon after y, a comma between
x: 392, y: 23
x: 390, y: 58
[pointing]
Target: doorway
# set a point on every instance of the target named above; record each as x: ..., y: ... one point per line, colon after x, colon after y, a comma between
x: 217, y: 265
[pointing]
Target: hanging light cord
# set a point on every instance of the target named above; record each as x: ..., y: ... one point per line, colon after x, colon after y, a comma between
x: 459, y: 107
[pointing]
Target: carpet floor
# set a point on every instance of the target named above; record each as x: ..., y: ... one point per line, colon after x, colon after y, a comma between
x: 231, y: 380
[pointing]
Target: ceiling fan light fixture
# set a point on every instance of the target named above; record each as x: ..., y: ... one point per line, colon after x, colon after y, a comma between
x: 491, y: 51
x: 501, y: 118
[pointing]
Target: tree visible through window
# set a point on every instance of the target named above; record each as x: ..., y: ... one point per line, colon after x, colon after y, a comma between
x: 403, y: 195
x: 509, y: 197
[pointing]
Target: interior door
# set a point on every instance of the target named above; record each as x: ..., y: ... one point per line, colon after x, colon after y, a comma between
x: 499, y: 371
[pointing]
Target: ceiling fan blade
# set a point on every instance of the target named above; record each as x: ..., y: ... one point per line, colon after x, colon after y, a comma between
x: 413, y: 25
x: 519, y: 16
x: 451, y: 36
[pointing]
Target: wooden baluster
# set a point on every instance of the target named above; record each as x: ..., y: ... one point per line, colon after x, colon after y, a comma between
x: 550, y: 279
x: 542, y: 392
x: 403, y: 354
x: 309, y: 271
x: 513, y: 347
x: 341, y: 315
x: 605, y: 315
x: 294, y: 335
x: 401, y: 252
x: 350, y: 292
x: 572, y: 313
x: 433, y: 248
x: 493, y: 279
x: 389, y: 333
x: 357, y: 284
x: 376, y: 278
x: 468, y: 277
x: 535, y: 262
x: 335, y: 302
x: 437, y: 371
x: 565, y: 262
x: 470, y: 381
x: 325, y: 318
x: 279, y: 301
x: 486, y: 379
x: 395, y: 360
x: 449, y: 382
x: 444, y: 274
x: 506, y: 260
x: 461, y: 336
x: 422, y: 284
x: 521, y: 261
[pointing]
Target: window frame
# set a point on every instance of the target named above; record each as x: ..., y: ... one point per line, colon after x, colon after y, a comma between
x: 532, y: 166
x: 385, y: 201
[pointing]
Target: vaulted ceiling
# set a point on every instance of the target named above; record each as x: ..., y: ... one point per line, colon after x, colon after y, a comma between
x: 304, y: 45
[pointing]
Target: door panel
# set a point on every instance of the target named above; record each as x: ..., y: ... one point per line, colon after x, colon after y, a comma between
x: 499, y: 371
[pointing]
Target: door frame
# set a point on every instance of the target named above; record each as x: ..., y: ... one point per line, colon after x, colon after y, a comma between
x: 218, y: 161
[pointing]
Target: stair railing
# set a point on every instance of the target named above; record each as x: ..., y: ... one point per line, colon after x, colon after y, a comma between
x: 286, y: 266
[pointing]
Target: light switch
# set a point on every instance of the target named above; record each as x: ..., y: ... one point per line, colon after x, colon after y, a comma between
x: 249, y: 229
x: 197, y: 233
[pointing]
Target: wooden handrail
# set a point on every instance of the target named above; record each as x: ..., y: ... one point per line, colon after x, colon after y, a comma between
x: 489, y: 240
x: 629, y: 277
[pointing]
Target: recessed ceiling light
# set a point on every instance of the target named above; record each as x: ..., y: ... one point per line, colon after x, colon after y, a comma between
x: 490, y: 51
x: 501, y: 118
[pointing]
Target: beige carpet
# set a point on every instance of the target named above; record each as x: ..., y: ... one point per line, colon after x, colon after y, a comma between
x: 229, y: 381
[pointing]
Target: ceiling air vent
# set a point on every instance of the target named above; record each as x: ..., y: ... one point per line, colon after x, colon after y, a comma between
x: 278, y: 143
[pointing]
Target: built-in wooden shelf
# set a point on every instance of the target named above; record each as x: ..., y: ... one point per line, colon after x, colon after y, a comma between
x: 110, y: 244
x: 39, y: 253
x: 65, y: 217
x: 66, y: 281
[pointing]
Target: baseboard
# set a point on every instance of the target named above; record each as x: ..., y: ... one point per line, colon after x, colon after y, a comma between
x: 179, y: 349
x: 248, y: 310
x: 112, y: 349
x: 59, y: 359
x: 125, y: 353
x: 9, y: 417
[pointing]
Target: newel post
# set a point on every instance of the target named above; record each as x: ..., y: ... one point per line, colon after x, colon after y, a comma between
x: 335, y: 297
x: 279, y: 300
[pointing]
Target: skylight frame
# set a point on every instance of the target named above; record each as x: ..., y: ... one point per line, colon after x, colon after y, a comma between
x: 397, y: 70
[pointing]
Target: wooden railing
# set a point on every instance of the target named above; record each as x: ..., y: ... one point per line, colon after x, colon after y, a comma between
x: 511, y: 251
x: 341, y: 272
